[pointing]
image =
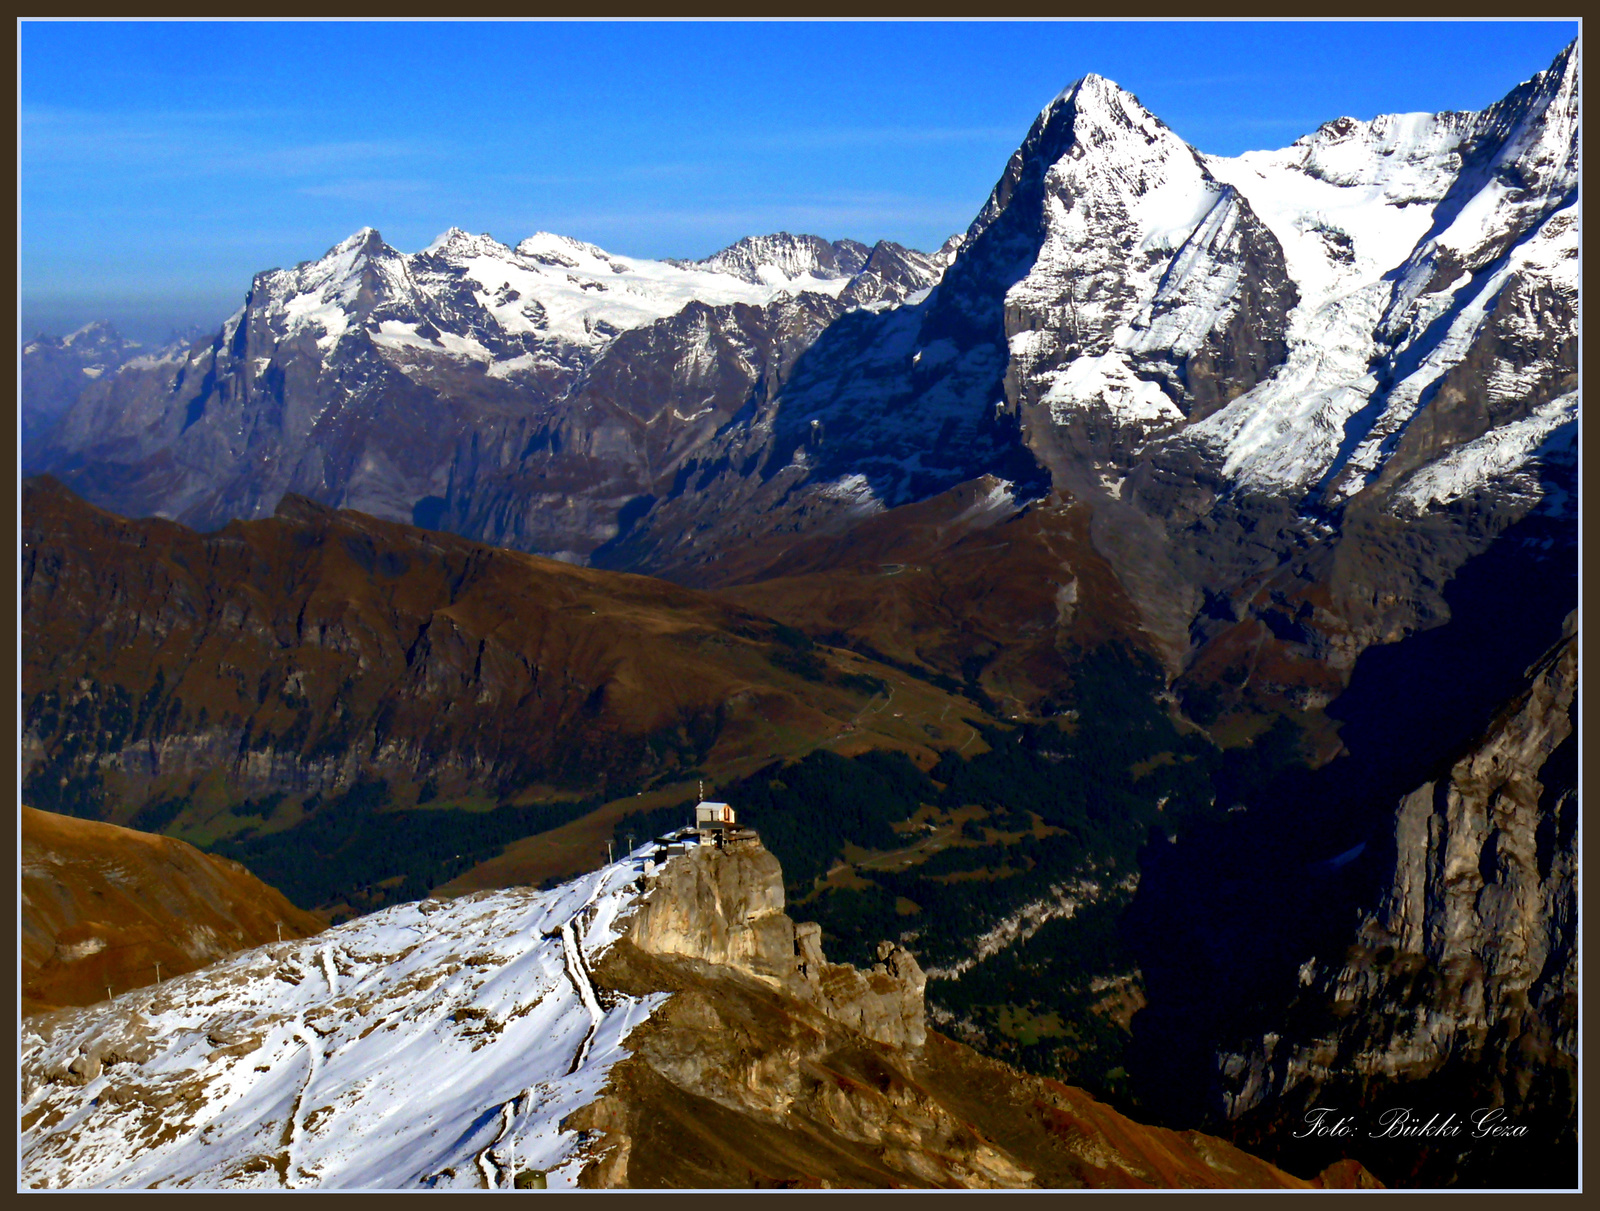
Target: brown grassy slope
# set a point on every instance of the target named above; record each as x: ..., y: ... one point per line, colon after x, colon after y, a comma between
x: 960, y: 584
x: 102, y: 905
x: 316, y: 646
x: 733, y: 1084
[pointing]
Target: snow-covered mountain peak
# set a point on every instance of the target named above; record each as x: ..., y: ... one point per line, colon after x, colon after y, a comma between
x: 94, y: 332
x: 1401, y: 233
x: 552, y: 301
x: 1095, y: 140
x: 548, y: 243
x: 1411, y: 156
x: 781, y: 259
x: 1097, y: 114
x: 456, y: 242
x: 367, y: 241
x: 434, y: 1044
x: 1536, y: 128
x: 325, y: 296
x: 1138, y: 255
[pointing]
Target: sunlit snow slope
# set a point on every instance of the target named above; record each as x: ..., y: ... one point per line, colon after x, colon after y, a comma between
x: 1308, y: 318
x: 432, y: 1045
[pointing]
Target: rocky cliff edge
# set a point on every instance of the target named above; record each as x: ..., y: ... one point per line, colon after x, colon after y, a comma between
x: 768, y: 1066
x: 724, y: 905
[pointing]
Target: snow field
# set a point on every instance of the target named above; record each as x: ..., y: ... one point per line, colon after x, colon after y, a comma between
x: 435, y: 1044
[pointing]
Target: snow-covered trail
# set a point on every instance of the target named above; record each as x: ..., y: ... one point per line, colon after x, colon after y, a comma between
x: 294, y: 1130
x: 577, y: 971
x: 488, y: 1163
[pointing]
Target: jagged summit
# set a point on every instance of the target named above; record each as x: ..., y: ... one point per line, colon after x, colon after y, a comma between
x: 782, y: 256
x: 456, y: 242
x: 552, y: 288
x: 95, y: 330
x: 1098, y: 101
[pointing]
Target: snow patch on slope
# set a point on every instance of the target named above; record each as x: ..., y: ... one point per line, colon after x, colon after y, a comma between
x: 430, y: 1045
x: 1369, y: 216
x: 1494, y: 456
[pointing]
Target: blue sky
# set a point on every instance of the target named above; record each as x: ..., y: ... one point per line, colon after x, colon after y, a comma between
x: 162, y: 164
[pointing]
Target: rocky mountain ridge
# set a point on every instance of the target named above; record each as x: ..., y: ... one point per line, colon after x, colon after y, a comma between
x: 302, y: 654
x: 354, y: 378
x: 297, y: 1065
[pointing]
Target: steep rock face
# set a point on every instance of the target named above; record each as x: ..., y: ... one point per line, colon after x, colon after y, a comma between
x: 767, y: 1066
x: 892, y: 274
x: 1461, y: 980
x: 1152, y: 292
x: 103, y: 905
x: 725, y: 906
x: 573, y: 480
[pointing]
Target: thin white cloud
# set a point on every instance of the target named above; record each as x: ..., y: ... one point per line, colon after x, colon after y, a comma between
x: 821, y: 139
x: 60, y: 142
x: 371, y: 189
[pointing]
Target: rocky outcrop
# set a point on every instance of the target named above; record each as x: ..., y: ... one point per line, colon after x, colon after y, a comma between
x: 1461, y: 981
x: 767, y: 1066
x: 517, y: 1038
x: 724, y: 906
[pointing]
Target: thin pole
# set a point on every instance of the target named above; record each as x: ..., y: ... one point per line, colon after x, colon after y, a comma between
x: 280, y: 931
x: 108, y: 992
x: 158, y: 973
x: 608, y: 852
